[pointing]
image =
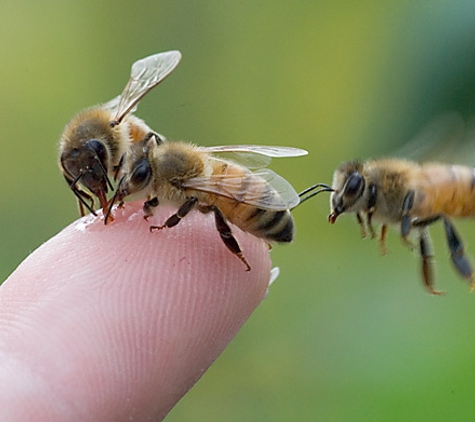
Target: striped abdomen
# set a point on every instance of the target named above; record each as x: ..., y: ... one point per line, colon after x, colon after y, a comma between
x: 445, y: 189
x: 255, y: 207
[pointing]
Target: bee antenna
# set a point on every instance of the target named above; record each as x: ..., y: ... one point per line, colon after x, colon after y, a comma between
x: 312, y: 191
x: 112, y: 201
x: 78, y: 192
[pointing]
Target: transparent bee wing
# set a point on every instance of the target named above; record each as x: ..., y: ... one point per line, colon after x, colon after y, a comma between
x: 254, y: 156
x: 269, y: 151
x: 146, y: 74
x: 113, y: 104
x: 249, y: 160
x: 263, y: 189
x: 441, y: 139
x: 448, y: 137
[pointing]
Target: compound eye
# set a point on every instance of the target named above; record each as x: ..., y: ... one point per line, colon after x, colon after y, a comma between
x: 98, y: 148
x: 141, y: 173
x: 354, y: 184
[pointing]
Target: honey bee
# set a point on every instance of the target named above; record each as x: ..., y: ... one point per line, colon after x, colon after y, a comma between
x: 189, y: 176
x: 409, y: 195
x: 95, y: 140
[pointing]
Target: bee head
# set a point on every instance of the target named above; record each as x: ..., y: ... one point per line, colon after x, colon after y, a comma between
x: 87, y: 165
x: 136, y: 173
x: 137, y: 179
x: 138, y: 170
x: 349, y: 186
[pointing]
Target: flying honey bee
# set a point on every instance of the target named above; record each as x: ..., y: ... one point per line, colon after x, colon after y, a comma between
x: 95, y: 140
x: 257, y: 202
x: 409, y: 195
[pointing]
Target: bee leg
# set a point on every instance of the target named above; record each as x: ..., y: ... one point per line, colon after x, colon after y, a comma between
x: 82, y: 205
x: 382, y: 239
x: 174, y: 219
x: 148, y: 207
x: 425, y: 250
x: 406, y: 222
x: 158, y: 138
x: 82, y: 196
x: 226, y: 234
x: 421, y: 223
x: 373, y: 196
x: 151, y: 135
x: 361, y: 224
x: 369, y: 224
x: 457, y: 253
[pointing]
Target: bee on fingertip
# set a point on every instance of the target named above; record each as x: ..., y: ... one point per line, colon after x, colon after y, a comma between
x: 95, y: 140
x: 193, y: 177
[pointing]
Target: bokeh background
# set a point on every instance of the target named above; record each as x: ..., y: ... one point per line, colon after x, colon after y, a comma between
x: 345, y: 334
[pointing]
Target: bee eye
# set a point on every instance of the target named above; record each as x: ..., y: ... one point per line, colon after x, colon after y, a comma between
x: 141, y: 173
x: 354, y: 184
x: 98, y: 148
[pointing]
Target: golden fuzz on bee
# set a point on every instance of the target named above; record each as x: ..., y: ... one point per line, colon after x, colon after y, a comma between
x: 409, y: 195
x: 95, y: 140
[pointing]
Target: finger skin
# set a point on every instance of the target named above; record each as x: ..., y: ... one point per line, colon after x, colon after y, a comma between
x: 114, y: 323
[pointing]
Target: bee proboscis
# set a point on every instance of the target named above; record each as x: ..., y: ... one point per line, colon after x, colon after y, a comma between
x: 257, y: 202
x: 411, y: 196
x: 95, y: 140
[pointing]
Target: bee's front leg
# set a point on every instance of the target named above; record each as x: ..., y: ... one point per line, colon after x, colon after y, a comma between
x: 150, y: 135
x: 82, y: 196
x: 360, y: 221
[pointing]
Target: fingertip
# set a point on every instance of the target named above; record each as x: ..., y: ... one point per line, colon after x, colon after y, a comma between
x: 147, y: 311
x: 193, y: 246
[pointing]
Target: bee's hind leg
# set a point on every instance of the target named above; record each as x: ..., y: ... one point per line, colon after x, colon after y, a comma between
x: 174, y: 219
x: 425, y: 250
x: 226, y: 234
x: 457, y: 253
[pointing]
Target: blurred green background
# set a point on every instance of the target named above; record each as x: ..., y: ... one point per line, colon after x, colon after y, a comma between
x: 345, y: 335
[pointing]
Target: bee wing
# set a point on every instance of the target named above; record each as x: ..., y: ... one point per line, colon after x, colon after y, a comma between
x: 440, y: 139
x: 113, y: 104
x: 145, y: 74
x: 259, y: 190
x: 268, y: 151
x: 254, y: 156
